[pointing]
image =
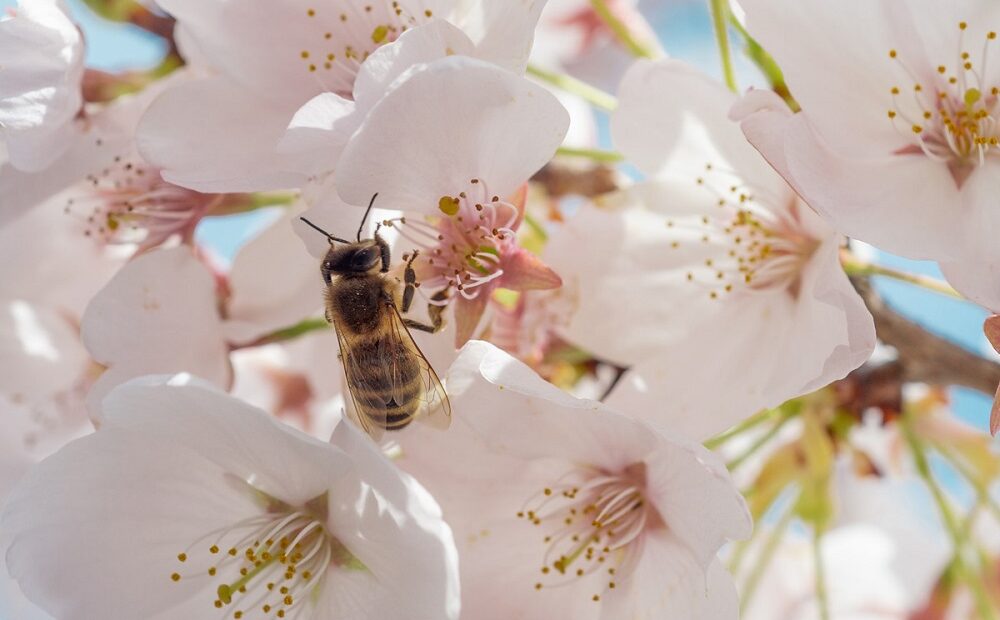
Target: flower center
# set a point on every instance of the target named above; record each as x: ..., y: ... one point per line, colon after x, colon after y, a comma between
x: 765, y: 245
x: 337, y: 40
x: 463, y: 249
x: 589, y: 520
x: 129, y: 203
x: 952, y: 115
x: 270, y: 564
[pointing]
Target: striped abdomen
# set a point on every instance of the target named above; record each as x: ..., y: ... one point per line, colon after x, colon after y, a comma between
x: 387, y: 380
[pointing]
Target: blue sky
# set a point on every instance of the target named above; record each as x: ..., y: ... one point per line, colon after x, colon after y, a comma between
x: 686, y: 33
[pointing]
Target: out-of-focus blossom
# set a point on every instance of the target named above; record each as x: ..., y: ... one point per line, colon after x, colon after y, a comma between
x: 570, y: 509
x: 300, y: 381
x: 897, y: 140
x: 222, y: 512
x: 711, y: 262
x: 167, y: 311
x: 573, y: 37
x: 41, y: 68
x: 222, y: 133
x: 472, y: 192
x: 859, y: 582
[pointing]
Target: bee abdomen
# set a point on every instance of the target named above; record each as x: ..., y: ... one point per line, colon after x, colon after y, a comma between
x: 393, y: 417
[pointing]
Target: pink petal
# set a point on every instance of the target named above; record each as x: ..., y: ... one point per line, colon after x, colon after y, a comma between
x: 467, y: 315
x: 523, y: 271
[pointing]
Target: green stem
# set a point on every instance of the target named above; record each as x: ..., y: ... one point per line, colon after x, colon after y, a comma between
x: 982, y: 491
x: 759, y: 443
x: 855, y: 266
x: 609, y: 157
x: 536, y: 227
x: 621, y: 31
x: 955, y: 531
x: 243, y: 203
x: 765, y: 63
x: 820, y: 574
x: 720, y: 14
x: 592, y: 95
x: 765, y: 557
x: 289, y: 333
x: 758, y: 418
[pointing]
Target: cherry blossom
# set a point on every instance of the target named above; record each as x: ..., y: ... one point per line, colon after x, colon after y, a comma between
x: 224, y: 513
x: 710, y: 262
x: 188, y: 316
x: 267, y: 64
x: 472, y: 194
x: 579, y: 512
x: 41, y: 64
x: 896, y: 141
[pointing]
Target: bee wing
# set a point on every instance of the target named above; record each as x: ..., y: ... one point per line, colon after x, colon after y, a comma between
x: 435, y: 408
x: 358, y: 387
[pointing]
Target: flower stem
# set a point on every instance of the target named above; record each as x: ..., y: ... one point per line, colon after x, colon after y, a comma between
x: 855, y: 266
x: 759, y: 443
x: 765, y: 63
x: 621, y: 31
x: 291, y: 332
x: 720, y: 15
x: 765, y: 557
x: 591, y: 94
x: 955, y: 531
x: 594, y: 154
x: 758, y: 418
x: 982, y: 491
x: 822, y: 598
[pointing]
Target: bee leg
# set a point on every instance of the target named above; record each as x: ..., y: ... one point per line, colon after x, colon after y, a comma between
x: 384, y: 249
x: 435, y: 312
x: 410, y: 282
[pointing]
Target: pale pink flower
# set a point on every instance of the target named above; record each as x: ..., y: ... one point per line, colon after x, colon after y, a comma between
x: 112, y: 194
x: 565, y: 508
x: 203, y: 501
x: 167, y: 311
x: 41, y: 68
x: 222, y: 133
x: 466, y: 177
x: 857, y: 563
x: 710, y: 269
x: 897, y: 140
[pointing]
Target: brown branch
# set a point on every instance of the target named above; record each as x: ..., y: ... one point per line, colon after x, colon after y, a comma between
x: 560, y: 180
x: 926, y: 357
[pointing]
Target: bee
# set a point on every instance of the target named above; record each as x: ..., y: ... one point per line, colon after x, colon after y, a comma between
x: 390, y: 381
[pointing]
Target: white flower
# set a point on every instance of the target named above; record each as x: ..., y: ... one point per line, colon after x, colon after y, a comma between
x: 166, y: 311
x: 714, y: 280
x: 190, y: 504
x: 41, y: 68
x: 897, y: 142
x: 111, y: 193
x: 451, y: 165
x: 222, y: 133
x: 563, y: 508
x: 857, y: 562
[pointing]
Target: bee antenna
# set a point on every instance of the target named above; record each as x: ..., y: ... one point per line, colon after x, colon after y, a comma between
x: 367, y: 211
x: 329, y: 237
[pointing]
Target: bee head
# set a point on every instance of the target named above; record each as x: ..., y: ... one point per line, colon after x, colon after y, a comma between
x: 353, y: 259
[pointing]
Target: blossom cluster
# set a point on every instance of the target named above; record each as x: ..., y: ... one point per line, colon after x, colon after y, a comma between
x: 638, y: 375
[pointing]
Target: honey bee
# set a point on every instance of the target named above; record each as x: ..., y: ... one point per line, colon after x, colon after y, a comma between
x: 390, y: 381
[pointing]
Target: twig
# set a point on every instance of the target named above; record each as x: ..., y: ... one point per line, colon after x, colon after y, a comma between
x: 926, y: 357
